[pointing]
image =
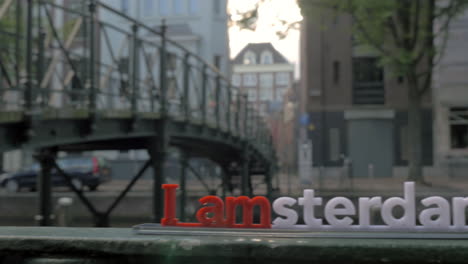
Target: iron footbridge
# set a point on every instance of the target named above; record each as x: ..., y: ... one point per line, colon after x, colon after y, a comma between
x: 72, y: 80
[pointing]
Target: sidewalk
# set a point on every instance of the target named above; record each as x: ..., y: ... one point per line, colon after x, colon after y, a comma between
x: 378, y: 186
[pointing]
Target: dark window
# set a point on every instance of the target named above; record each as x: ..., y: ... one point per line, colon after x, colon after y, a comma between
x: 217, y: 6
x: 336, y: 72
x: 459, y: 127
x: 368, y: 85
x: 401, y: 79
x: 124, y: 6
x: 217, y: 61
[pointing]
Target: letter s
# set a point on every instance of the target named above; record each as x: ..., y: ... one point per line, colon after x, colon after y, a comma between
x: 279, y: 207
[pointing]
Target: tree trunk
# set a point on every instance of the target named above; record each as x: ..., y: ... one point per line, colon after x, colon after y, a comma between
x: 414, y: 131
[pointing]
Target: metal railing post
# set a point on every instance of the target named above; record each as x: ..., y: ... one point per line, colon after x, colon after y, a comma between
x: 204, y: 88
x: 186, y: 83
x: 218, y: 100
x: 92, y: 58
x: 17, y: 42
x: 134, y: 68
x: 40, y: 68
x: 229, y: 102
x: 246, y: 117
x: 238, y: 111
x: 28, y: 96
x: 163, y: 70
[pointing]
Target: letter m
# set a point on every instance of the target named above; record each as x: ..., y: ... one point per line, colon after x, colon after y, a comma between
x: 247, y: 212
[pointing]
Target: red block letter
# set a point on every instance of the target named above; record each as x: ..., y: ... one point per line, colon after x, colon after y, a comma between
x: 169, y: 205
x: 247, y: 212
x: 217, y: 210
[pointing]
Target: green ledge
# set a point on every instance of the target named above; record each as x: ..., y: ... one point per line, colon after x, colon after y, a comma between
x: 64, y: 113
x: 116, y: 113
x: 233, y: 246
x: 11, y: 116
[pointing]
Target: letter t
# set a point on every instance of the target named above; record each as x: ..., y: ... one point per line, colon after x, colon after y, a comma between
x: 309, y: 202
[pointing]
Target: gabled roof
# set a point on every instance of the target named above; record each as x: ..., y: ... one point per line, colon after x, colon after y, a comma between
x: 257, y: 49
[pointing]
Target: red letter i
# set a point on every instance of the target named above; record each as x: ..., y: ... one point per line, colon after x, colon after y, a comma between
x: 169, y: 205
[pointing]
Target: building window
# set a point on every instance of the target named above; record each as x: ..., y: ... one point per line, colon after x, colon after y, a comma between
x: 252, y: 94
x: 249, y: 79
x: 400, y: 79
x: 459, y: 127
x: 266, y: 80
x: 217, y: 61
x: 368, y: 84
x: 266, y: 94
x: 148, y: 7
x: 217, y: 6
x: 282, y: 78
x: 404, y: 143
x: 336, y: 72
x: 236, y: 79
x: 249, y: 58
x: 334, y: 139
x: 266, y: 87
x: 267, y: 57
x: 124, y: 7
x: 178, y: 7
x: 163, y: 7
x: 280, y: 94
x: 193, y: 7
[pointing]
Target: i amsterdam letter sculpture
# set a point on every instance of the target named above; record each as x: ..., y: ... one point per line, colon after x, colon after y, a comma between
x: 437, y: 213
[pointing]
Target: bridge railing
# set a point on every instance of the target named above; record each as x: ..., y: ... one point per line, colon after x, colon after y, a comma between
x: 89, y: 57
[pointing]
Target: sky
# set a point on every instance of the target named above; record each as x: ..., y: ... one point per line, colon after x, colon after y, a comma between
x: 270, y: 14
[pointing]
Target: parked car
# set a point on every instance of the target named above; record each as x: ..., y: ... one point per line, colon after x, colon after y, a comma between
x: 84, y: 171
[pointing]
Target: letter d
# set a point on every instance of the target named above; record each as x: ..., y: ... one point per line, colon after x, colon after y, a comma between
x: 408, y: 204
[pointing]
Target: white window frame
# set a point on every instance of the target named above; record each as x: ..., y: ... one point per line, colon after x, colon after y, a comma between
x: 266, y: 80
x: 178, y: 6
x: 252, y: 94
x: 194, y: 7
x: 282, y: 78
x: 249, y: 80
x: 266, y: 94
x: 236, y: 79
x: 125, y: 6
x: 163, y: 7
x: 266, y: 57
x: 148, y: 8
x: 250, y: 58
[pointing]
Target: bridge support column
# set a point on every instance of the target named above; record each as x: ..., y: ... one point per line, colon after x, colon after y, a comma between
x: 44, y: 186
x: 183, y: 187
x: 158, y: 152
x: 246, y: 187
x: 268, y: 178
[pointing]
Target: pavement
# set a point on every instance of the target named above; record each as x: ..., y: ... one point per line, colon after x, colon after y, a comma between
x: 445, y: 186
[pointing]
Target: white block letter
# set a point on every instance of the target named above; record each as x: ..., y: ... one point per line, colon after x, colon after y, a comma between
x: 279, y: 207
x: 442, y: 211
x: 365, y: 205
x: 459, y: 206
x: 309, y: 202
x: 408, y: 204
x: 331, y: 211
